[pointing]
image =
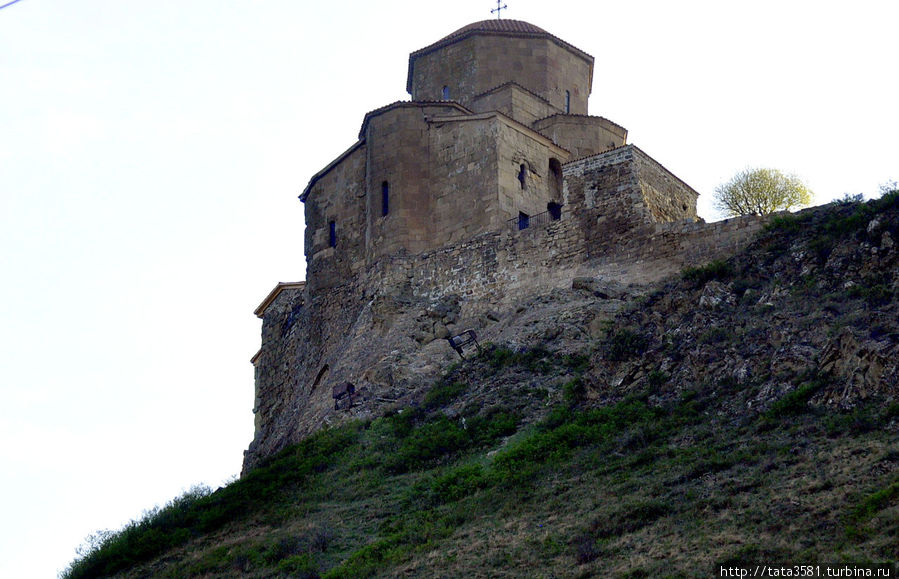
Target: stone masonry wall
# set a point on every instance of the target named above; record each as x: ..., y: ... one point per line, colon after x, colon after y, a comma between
x: 300, y: 363
x: 397, y: 145
x: 667, y: 197
x: 514, y: 102
x: 582, y: 135
x: 464, y: 179
x: 530, y: 189
x: 339, y: 197
x: 482, y: 62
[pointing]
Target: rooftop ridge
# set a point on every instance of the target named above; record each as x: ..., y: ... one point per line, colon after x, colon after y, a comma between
x: 512, y: 83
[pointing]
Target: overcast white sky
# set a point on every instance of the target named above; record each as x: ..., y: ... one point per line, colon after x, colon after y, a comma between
x: 151, y: 154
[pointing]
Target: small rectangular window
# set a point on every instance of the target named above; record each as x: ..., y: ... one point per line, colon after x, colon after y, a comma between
x: 385, y: 199
x: 332, y: 234
x: 524, y: 220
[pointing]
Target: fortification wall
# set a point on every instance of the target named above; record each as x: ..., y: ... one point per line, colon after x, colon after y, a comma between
x: 499, y: 269
x: 306, y: 336
x: 379, y: 329
x: 666, y: 197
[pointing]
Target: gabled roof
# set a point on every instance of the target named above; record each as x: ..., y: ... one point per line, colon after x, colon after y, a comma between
x: 272, y: 295
x: 368, y: 116
x: 496, y: 27
x: 330, y: 166
x: 415, y: 104
x: 573, y: 116
x: 516, y: 85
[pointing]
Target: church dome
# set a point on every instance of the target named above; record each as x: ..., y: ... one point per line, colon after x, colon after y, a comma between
x: 496, y: 25
x: 484, y: 55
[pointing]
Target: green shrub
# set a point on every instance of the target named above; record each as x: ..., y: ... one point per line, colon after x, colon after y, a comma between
x: 889, y: 198
x: 369, y: 559
x: 788, y: 223
x: 891, y: 411
x: 574, y: 391
x: 876, y: 502
x: 458, y: 483
x: 796, y: 401
x: 426, y: 443
x: 299, y: 566
x: 538, y: 360
x: 698, y: 276
x: 715, y: 336
x: 854, y: 422
x: 440, y: 437
x: 493, y: 425
x: 443, y: 393
x: 875, y: 295
x: 821, y: 246
x: 200, y: 511
x: 564, y: 430
x: 625, y: 344
x: 578, y: 363
x: 401, y: 424
x: 657, y: 378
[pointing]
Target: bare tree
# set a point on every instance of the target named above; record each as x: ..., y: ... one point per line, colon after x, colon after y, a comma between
x: 760, y: 192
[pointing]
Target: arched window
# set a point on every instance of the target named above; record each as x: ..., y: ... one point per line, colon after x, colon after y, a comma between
x: 555, y: 210
x: 332, y: 233
x: 523, y: 176
x: 385, y: 199
x: 567, y: 102
x: 446, y: 93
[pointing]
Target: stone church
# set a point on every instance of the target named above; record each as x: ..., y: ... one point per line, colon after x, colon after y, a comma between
x: 497, y: 108
x: 491, y: 185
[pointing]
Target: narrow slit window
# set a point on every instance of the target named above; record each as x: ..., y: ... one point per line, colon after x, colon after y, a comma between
x: 523, y: 176
x: 555, y: 181
x: 332, y: 233
x: 567, y: 102
x: 446, y: 93
x: 385, y: 199
x: 524, y: 220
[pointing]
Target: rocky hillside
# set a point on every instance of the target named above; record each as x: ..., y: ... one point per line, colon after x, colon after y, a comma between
x: 813, y: 300
x: 743, y: 413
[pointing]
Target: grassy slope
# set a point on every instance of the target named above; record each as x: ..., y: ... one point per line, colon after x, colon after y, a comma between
x: 544, y: 484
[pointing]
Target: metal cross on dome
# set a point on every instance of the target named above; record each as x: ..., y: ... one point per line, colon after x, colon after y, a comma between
x: 499, y: 8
